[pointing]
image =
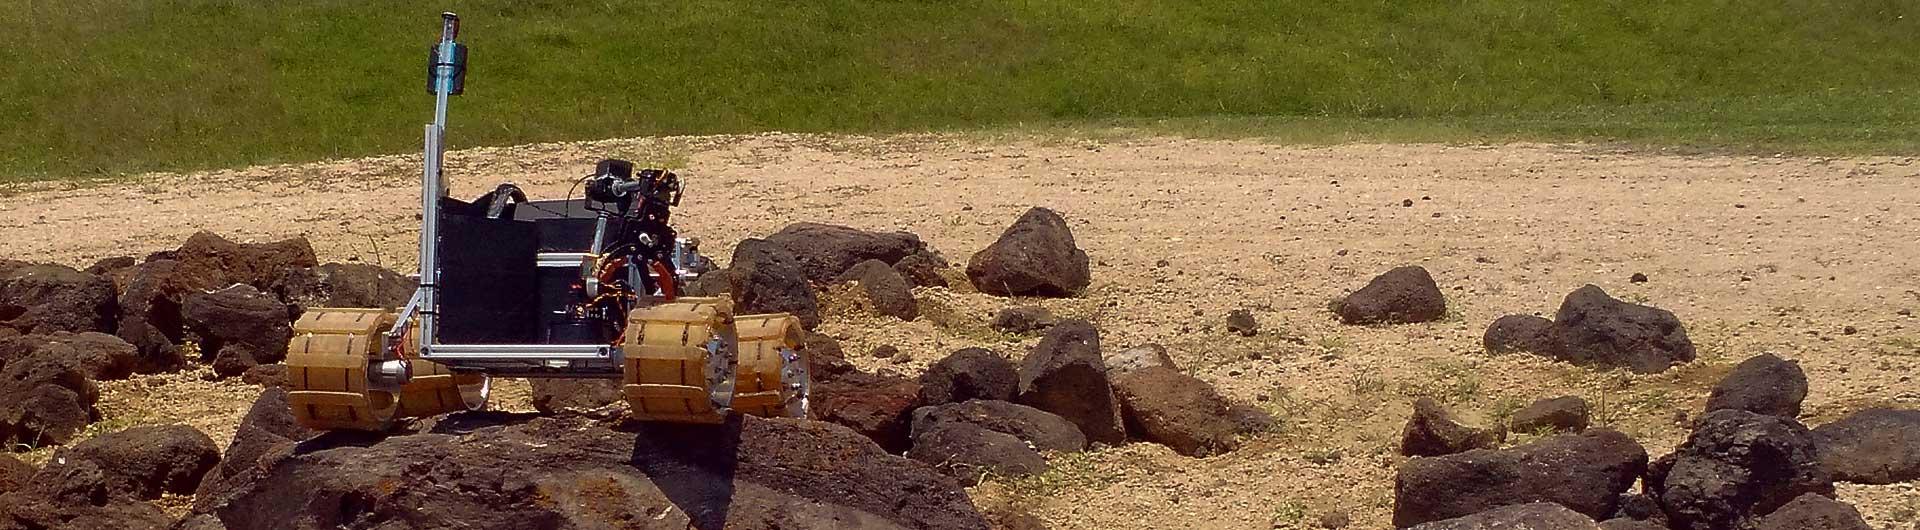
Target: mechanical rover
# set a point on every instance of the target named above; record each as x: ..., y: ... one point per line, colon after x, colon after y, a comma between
x: 575, y: 288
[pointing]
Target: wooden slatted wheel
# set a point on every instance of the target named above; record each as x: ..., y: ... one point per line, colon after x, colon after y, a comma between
x: 435, y: 389
x: 772, y: 377
x: 327, y: 370
x: 680, y: 361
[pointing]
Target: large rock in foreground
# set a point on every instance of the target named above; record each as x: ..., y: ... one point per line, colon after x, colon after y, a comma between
x: 1735, y: 466
x: 1402, y: 295
x: 1596, y: 330
x: 1065, y: 375
x: 1036, y: 256
x: 1873, y: 446
x: 1585, y: 472
x: 1534, y: 516
x: 554, y: 472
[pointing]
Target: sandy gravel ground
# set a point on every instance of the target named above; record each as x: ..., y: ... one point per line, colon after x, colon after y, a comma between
x: 1756, y: 254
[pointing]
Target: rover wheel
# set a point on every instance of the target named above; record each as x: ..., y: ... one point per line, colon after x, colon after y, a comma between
x: 327, y: 363
x: 679, y: 361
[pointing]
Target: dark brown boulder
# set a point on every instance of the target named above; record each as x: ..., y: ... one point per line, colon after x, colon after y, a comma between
x: 45, y: 415
x: 1532, y: 516
x: 344, y: 285
x: 768, y: 278
x: 50, y: 298
x: 966, y: 452
x: 266, y: 434
x: 46, y: 398
x: 1518, y: 333
x: 259, y: 265
x: 1735, y: 466
x: 554, y: 395
x: 1556, y: 415
x: 824, y: 251
x: 1431, y: 431
x: 101, y: 356
x: 885, y: 291
x: 144, y: 462
x: 1594, y: 329
x: 1041, y: 429
x: 876, y: 406
x: 1586, y: 472
x: 1873, y: 446
x: 1403, y: 295
x: 150, y: 312
x: 1813, y: 512
x: 923, y: 269
x: 1065, y: 375
x: 971, y: 373
x: 1022, y: 320
x: 239, y: 327
x: 1034, y: 257
x: 1164, y: 406
x: 572, y: 472
x: 1764, y: 384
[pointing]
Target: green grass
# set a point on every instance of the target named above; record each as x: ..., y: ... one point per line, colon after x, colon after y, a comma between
x: 102, y: 87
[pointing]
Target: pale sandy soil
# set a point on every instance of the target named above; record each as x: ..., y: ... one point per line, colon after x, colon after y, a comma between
x: 1755, y: 254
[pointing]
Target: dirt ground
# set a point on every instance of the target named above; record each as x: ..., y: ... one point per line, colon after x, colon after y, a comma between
x: 1810, y: 258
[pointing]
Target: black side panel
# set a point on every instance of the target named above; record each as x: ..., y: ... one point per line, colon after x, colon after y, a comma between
x: 487, y: 284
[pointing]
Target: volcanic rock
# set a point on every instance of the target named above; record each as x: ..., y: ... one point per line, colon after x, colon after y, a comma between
x: 1872, y: 446
x: 1036, y: 256
x: 1177, y: 410
x: 1764, y: 384
x: 971, y: 373
x: 1402, y: 295
x: 1586, y: 472
x: 1594, y: 329
x: 1065, y: 375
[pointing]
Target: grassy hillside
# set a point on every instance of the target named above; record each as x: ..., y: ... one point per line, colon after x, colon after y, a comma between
x: 109, y: 86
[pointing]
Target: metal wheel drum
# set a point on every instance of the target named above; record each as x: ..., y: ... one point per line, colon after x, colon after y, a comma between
x: 327, y: 363
x: 680, y: 361
x: 772, y: 379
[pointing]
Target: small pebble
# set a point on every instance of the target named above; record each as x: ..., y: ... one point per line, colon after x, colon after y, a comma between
x: 1407, y: 203
x: 885, y: 352
x: 1849, y: 330
x: 1637, y: 278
